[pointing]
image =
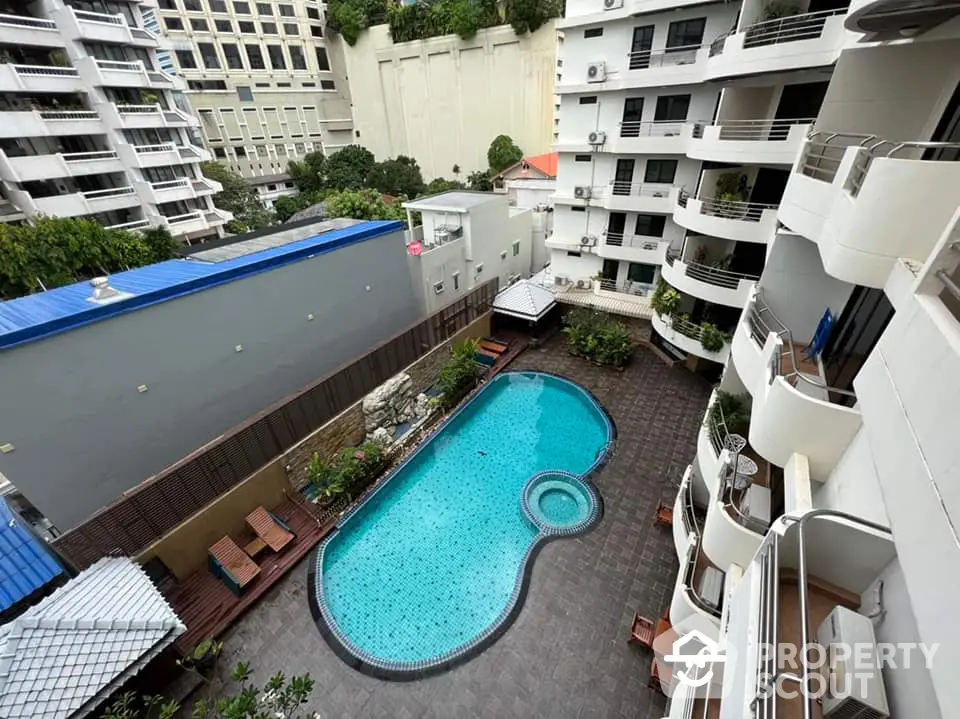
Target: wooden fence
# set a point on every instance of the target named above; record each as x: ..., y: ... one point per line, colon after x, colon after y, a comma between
x: 157, y: 505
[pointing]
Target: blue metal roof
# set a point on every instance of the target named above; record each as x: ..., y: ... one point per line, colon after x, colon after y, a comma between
x: 65, y: 308
x: 25, y: 563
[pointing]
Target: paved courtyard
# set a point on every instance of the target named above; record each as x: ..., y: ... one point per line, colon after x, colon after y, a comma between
x: 566, y: 655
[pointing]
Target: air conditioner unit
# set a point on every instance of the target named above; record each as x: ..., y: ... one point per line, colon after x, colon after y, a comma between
x: 588, y: 241
x: 597, y: 137
x: 583, y: 284
x: 437, y: 288
x: 612, y: 4
x: 582, y: 192
x: 596, y: 72
x: 558, y: 280
x: 856, y: 679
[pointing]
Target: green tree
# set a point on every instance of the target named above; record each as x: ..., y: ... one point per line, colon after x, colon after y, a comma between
x: 480, y: 180
x: 365, y: 204
x: 399, y: 176
x: 440, y: 184
x: 309, y: 174
x: 238, y: 197
x: 530, y: 15
x: 503, y: 153
x: 287, y: 206
x: 352, y: 17
x: 349, y: 168
x: 464, y: 18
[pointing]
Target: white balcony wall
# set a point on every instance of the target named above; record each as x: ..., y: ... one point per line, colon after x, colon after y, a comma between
x: 36, y: 78
x: 853, y: 486
x: 43, y: 167
x: 693, y: 218
x: 692, y: 346
x: 900, y: 210
x: 634, y: 249
x: 724, y: 143
x: 747, y: 356
x: 600, y: 171
x: 675, y: 275
x: 580, y: 12
x: 25, y: 30
x: 681, y: 538
x: 49, y: 124
x: 724, y: 541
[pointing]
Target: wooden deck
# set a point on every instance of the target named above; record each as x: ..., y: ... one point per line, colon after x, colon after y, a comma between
x: 208, y: 607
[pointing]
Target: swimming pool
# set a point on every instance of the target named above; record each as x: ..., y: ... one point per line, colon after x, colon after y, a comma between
x: 432, y: 566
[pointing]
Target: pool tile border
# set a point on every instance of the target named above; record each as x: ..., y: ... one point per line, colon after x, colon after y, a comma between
x: 366, y: 663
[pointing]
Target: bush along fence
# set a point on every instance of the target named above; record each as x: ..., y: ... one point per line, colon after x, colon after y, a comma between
x: 597, y: 337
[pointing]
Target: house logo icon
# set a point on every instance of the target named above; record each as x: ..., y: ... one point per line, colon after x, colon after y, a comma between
x: 698, y: 653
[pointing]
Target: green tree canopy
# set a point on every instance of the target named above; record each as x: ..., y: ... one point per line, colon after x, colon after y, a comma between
x: 287, y: 206
x: 55, y: 251
x: 238, y: 197
x: 349, y: 168
x: 399, y: 176
x: 365, y: 204
x: 309, y: 174
x: 480, y: 180
x: 503, y: 153
x: 530, y: 15
x: 442, y: 185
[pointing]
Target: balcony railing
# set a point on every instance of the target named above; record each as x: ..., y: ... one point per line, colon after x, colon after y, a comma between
x: 148, y: 149
x: 109, y: 192
x: 711, y: 275
x: 90, y: 156
x: 638, y: 289
x: 131, y: 226
x: 688, y: 514
x: 186, y: 217
x: 639, y: 242
x: 60, y: 115
x: 27, y: 21
x: 668, y: 57
x: 639, y: 189
x: 651, y: 129
x: 117, y: 65
x: 728, y: 209
x: 754, y: 130
x: 87, y: 16
x: 690, y: 575
x: 138, y: 109
x: 46, y: 71
x: 180, y: 182
x: 788, y: 29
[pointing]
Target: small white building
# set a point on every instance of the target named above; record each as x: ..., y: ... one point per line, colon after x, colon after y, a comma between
x: 464, y: 239
x: 531, y: 183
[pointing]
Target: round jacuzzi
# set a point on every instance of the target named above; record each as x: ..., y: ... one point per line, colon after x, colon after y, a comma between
x: 560, y: 503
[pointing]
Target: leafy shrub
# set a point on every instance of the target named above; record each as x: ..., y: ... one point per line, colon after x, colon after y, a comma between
x: 350, y: 468
x: 460, y: 373
x: 777, y: 9
x: 711, y: 338
x: 665, y: 300
x: 735, y: 410
x: 597, y: 336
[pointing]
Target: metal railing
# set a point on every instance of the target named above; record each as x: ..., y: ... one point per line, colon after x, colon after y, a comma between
x: 46, y: 71
x: 68, y: 115
x: 785, y: 364
x: 27, y: 21
x: 89, y: 156
x: 638, y: 289
x: 652, y: 129
x: 764, y: 707
x: 690, y: 576
x: 120, y: 66
x: 109, y: 192
x: 87, y: 16
x: 639, y: 189
x: 668, y: 57
x: 710, y: 275
x: 138, y: 109
x: 187, y: 151
x: 135, y: 225
x: 148, y: 149
x: 187, y: 217
x: 718, y: 45
x: 180, y: 182
x: 639, y: 242
x: 770, y: 130
x: 688, y: 514
x: 732, y: 499
x: 728, y: 209
x: 788, y: 29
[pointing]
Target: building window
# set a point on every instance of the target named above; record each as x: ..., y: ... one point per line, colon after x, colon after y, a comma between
x: 241, y: 8
x: 588, y: 100
x: 291, y: 28
x: 186, y: 60
x: 263, y: 84
x: 232, y: 55
x: 218, y: 6
x: 264, y: 8
x: 283, y: 84
x: 323, y: 63
x: 220, y: 153
x: 660, y: 171
x: 269, y: 28
x: 199, y: 24
x: 516, y: 248
x: 578, y: 209
x: 639, y: 272
x: 223, y: 26
x: 244, y: 93
x: 173, y: 23
x: 593, y: 32
x: 672, y: 108
x: 240, y: 151
x: 276, y: 57
x: 255, y: 57
x: 316, y: 31
x: 209, y: 55
x: 192, y: 6
x: 328, y: 85
x: 571, y: 253
x: 313, y: 13
x: 286, y: 11
x: 308, y: 84
x: 456, y: 280
x: 297, y: 59
x: 206, y: 85
x: 167, y: 4
x: 247, y: 27
x: 582, y: 158
x: 650, y: 225
x: 685, y: 33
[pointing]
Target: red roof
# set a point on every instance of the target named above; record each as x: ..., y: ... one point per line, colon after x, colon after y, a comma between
x: 544, y: 164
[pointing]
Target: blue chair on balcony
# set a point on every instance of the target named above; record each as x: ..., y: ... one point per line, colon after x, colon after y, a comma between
x: 820, y: 337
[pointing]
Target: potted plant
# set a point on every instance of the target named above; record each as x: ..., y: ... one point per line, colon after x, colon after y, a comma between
x: 665, y: 300
x: 711, y: 338
x: 203, y: 658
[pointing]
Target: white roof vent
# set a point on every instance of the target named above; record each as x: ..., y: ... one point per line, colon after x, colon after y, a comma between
x: 103, y: 293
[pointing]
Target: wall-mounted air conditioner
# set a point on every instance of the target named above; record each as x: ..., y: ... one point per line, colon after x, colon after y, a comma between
x: 582, y: 192
x: 612, y: 4
x: 597, y: 72
x: 560, y: 281
x: 597, y: 137
x: 855, y: 685
x: 438, y: 288
x: 588, y: 241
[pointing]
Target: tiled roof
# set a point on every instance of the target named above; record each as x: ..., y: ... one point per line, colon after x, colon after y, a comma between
x: 25, y: 563
x: 525, y: 300
x: 64, y: 656
x: 547, y: 164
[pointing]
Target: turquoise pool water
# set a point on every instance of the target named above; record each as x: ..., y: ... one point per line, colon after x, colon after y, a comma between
x: 432, y: 562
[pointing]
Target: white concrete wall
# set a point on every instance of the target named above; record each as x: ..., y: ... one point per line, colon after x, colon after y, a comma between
x: 443, y: 100
x: 853, y: 486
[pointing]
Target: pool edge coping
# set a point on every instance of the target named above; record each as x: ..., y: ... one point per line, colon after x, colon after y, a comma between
x: 367, y: 664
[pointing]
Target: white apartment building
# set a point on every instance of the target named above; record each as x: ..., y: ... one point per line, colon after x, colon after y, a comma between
x: 822, y: 504
x: 88, y: 124
x: 261, y: 78
x: 465, y: 239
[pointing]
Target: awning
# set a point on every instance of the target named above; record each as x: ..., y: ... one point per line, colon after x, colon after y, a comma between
x: 524, y: 300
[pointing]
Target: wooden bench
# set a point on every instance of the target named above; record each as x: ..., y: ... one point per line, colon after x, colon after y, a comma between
x: 232, y: 565
x: 494, y: 347
x: 266, y: 527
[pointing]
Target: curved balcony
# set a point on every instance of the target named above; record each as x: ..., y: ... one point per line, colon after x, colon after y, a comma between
x: 761, y: 142
x: 790, y: 43
x: 639, y: 197
x: 736, y: 523
x: 686, y: 336
x: 700, y: 587
x: 32, y: 31
x: 650, y: 138
x: 795, y: 411
x: 739, y: 221
x: 867, y: 202
x: 633, y: 248
x: 685, y: 522
x: 709, y: 283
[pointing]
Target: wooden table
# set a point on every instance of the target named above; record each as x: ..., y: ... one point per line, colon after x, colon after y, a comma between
x: 255, y: 547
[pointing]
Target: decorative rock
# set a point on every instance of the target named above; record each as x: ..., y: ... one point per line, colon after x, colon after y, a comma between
x: 391, y: 404
x: 382, y: 437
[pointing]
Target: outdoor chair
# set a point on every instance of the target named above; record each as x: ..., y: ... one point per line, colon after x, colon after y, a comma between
x: 664, y: 515
x: 230, y: 564
x: 642, y: 632
x: 272, y: 531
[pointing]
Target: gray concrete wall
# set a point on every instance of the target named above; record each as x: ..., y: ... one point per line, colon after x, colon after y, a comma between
x: 83, y: 433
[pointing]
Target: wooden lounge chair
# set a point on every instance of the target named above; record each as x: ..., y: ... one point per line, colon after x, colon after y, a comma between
x: 642, y: 632
x: 231, y: 564
x: 664, y: 514
x: 494, y: 347
x: 269, y: 529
